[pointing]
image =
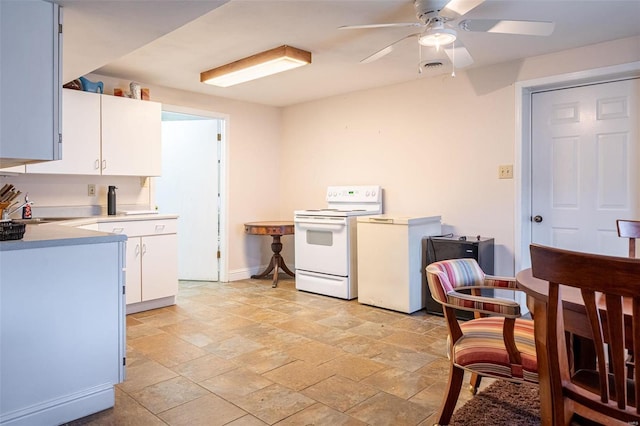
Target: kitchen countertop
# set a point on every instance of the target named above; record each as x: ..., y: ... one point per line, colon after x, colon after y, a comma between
x: 82, y: 221
x: 54, y: 235
x: 65, y: 232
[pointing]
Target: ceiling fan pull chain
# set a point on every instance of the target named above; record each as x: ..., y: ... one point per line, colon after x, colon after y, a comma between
x: 419, y: 59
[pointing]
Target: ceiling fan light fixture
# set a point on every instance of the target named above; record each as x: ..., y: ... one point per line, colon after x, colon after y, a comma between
x: 260, y: 65
x: 436, y: 37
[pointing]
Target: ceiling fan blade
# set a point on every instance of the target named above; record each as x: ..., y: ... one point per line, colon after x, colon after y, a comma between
x: 459, y: 55
x: 456, y: 8
x: 395, y: 25
x: 534, y: 28
x: 385, y: 50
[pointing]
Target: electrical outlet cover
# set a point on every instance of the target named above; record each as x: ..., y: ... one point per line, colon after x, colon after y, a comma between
x: 505, y: 172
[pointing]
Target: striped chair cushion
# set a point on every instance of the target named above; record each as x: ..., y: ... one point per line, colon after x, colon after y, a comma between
x: 481, y: 349
x: 443, y: 275
x: 463, y: 272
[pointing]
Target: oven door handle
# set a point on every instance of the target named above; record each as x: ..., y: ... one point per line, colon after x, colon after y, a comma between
x: 322, y: 226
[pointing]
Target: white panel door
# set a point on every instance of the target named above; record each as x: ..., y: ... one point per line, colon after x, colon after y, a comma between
x: 584, y: 165
x: 189, y: 188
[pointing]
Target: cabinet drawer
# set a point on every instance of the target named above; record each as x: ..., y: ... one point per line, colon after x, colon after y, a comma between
x: 136, y: 228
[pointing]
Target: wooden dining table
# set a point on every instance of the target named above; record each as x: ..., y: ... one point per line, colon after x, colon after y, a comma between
x: 575, y: 322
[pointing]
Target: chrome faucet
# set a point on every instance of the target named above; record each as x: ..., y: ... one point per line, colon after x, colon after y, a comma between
x: 6, y: 213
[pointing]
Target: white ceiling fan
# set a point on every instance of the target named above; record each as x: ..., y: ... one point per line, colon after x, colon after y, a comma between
x: 440, y: 21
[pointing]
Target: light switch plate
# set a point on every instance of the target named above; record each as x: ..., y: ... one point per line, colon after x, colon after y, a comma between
x: 505, y: 172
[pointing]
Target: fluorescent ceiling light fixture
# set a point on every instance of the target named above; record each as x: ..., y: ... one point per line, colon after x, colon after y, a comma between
x: 260, y: 65
x: 437, y: 36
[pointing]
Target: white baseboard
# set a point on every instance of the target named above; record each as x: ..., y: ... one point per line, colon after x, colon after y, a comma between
x: 245, y: 273
x: 64, y: 409
x: 150, y: 304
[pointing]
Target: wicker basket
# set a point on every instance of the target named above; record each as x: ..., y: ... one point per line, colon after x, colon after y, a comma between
x: 12, y: 231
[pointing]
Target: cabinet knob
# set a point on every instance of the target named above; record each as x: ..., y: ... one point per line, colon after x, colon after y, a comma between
x: 96, y: 165
x: 104, y: 164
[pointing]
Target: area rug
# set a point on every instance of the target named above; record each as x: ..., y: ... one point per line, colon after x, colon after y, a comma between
x: 501, y: 403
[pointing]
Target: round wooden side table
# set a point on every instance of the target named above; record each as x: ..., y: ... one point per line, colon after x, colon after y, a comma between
x: 276, y: 229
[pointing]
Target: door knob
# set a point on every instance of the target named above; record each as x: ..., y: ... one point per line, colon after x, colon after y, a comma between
x: 537, y: 218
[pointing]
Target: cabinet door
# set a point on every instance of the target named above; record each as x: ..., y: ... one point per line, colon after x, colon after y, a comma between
x: 133, y: 275
x: 30, y: 83
x: 81, y: 137
x: 159, y: 266
x: 131, y: 132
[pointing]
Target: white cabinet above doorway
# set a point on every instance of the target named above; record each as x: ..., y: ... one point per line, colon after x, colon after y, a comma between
x: 107, y: 135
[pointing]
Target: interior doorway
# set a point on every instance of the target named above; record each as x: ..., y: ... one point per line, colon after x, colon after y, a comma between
x: 525, y: 210
x: 584, y: 158
x: 191, y: 186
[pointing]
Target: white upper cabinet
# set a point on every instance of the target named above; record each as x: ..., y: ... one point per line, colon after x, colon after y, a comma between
x: 30, y: 47
x: 81, y: 138
x: 107, y: 135
x: 131, y: 135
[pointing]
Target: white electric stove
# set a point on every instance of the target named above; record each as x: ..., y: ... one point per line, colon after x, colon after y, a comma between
x: 325, y: 240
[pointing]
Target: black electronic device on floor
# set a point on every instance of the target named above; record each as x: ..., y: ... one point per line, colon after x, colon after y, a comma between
x: 435, y: 249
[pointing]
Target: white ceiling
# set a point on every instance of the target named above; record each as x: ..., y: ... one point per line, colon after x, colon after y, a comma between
x: 169, y: 42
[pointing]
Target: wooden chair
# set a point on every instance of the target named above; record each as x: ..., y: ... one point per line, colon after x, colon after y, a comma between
x: 500, y: 345
x: 629, y: 229
x: 607, y: 284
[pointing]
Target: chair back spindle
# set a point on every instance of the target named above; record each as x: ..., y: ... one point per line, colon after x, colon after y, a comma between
x: 629, y: 229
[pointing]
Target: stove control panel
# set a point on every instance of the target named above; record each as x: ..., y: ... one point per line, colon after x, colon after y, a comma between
x: 354, y: 194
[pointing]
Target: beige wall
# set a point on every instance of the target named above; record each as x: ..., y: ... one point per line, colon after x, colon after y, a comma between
x: 434, y: 144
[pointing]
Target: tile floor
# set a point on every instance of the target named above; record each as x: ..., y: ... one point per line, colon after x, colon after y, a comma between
x: 244, y: 354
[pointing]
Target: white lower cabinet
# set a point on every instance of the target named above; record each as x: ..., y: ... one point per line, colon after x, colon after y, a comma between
x: 151, y: 274
x: 151, y: 262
